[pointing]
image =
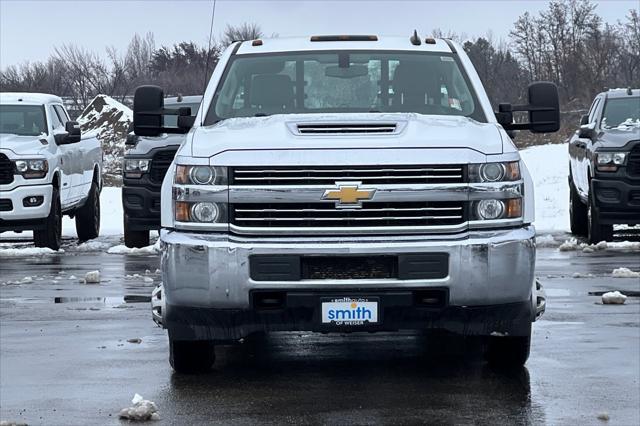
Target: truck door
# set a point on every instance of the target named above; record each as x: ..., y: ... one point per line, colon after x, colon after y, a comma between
x: 82, y: 161
x: 582, y: 160
x: 65, y: 159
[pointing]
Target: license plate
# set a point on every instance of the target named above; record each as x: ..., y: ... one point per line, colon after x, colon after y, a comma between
x: 349, y: 311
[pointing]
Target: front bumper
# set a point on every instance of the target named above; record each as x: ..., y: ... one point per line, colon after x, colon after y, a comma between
x: 617, y: 201
x: 207, y: 281
x: 14, y: 213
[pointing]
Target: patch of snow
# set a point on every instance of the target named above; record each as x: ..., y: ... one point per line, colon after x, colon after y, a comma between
x: 92, y: 245
x: 72, y: 277
x: 27, y: 251
x: 26, y: 280
x: 624, y: 273
x: 579, y: 275
x: 604, y: 416
x: 141, y: 410
x: 148, y: 279
x: 549, y: 168
x: 569, y: 245
x: 613, y: 298
x: 546, y: 241
x: 122, y: 249
x: 92, y: 277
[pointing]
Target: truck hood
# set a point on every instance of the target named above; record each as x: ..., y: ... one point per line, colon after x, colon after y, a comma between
x: 280, y: 132
x: 618, y: 137
x: 22, y: 145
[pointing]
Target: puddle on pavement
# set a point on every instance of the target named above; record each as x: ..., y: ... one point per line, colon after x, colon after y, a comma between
x: 105, y: 300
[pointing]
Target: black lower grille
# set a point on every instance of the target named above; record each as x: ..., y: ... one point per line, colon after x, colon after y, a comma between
x: 633, y: 163
x: 6, y: 205
x: 349, y: 268
x: 6, y: 170
x: 372, y: 214
x: 160, y: 164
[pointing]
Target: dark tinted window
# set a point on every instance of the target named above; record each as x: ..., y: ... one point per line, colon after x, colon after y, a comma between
x: 621, y: 112
x: 172, y: 120
x: 344, y: 81
x: 23, y: 120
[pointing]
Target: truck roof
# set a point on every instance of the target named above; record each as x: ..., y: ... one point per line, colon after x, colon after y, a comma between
x: 621, y: 93
x: 28, y: 98
x: 293, y: 44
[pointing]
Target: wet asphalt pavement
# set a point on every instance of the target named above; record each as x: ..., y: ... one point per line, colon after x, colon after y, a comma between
x: 65, y: 358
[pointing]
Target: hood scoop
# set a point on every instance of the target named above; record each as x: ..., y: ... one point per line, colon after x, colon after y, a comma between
x: 349, y: 128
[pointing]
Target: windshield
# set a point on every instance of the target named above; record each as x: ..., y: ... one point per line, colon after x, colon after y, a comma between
x: 343, y: 81
x: 172, y: 120
x: 23, y: 120
x: 621, y: 112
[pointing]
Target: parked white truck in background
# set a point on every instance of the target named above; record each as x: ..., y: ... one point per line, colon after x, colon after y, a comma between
x: 342, y: 184
x: 47, y: 169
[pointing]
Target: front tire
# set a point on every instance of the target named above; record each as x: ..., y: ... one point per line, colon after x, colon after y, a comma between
x: 88, y: 216
x: 597, y: 231
x: 508, y: 351
x: 134, y: 239
x: 51, y: 235
x: 577, y: 212
x: 189, y: 357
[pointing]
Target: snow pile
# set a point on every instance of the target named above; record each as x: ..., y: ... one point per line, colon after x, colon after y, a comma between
x: 122, y: 249
x: 624, y: 273
x: 92, y: 245
x: 549, y: 168
x: 109, y: 121
x: 579, y: 275
x: 546, y: 241
x: 27, y: 251
x: 92, y: 277
x: 573, y: 245
x: 141, y: 410
x: 613, y: 298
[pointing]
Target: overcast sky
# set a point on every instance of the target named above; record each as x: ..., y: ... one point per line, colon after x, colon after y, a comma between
x: 29, y: 30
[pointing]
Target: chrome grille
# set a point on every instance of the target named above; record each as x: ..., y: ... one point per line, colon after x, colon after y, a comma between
x: 372, y: 214
x: 160, y: 164
x: 6, y: 170
x: 329, y: 175
x: 633, y: 163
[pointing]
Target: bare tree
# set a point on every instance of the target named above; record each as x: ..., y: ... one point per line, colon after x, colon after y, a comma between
x: 242, y: 32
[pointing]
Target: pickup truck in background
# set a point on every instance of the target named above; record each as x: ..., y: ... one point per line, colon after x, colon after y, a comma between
x: 604, y: 166
x: 146, y: 161
x: 47, y: 169
x: 345, y: 184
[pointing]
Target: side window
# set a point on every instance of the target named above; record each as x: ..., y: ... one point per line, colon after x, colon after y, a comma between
x: 592, y: 111
x: 62, y: 115
x: 53, y: 116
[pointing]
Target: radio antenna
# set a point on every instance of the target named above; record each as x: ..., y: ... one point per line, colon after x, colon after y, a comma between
x: 206, y: 67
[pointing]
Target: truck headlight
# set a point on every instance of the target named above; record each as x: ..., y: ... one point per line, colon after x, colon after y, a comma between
x: 32, y: 169
x: 494, y: 172
x: 135, y: 167
x: 609, y: 161
x: 203, y: 212
x: 499, y: 209
x: 200, y: 175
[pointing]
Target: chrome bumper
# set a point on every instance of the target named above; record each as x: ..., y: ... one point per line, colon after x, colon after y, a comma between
x: 212, y: 270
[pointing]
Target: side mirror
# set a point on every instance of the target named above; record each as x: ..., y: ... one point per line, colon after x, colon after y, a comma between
x: 584, y: 120
x: 148, y: 110
x: 543, y: 108
x: 587, y: 131
x: 74, y: 134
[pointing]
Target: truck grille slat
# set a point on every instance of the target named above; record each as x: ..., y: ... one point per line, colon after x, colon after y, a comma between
x: 160, y: 164
x: 633, y: 162
x: 329, y: 175
x: 6, y: 170
x: 372, y: 214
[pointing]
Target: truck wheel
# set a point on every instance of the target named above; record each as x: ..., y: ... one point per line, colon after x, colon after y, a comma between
x: 577, y: 212
x: 88, y: 216
x: 508, y: 351
x: 191, y: 356
x: 135, y: 239
x: 51, y: 235
x: 596, y: 231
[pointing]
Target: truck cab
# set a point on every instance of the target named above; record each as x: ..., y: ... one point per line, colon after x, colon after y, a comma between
x: 604, y: 166
x: 146, y: 161
x: 347, y: 184
x: 47, y: 169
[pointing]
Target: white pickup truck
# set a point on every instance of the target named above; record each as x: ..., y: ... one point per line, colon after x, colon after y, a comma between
x: 47, y: 169
x: 344, y: 184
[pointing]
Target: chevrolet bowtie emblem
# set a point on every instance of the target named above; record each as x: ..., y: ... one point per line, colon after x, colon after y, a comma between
x: 348, y: 195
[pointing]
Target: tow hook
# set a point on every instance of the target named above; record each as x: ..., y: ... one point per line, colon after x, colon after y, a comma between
x: 541, y: 299
x: 157, y: 305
